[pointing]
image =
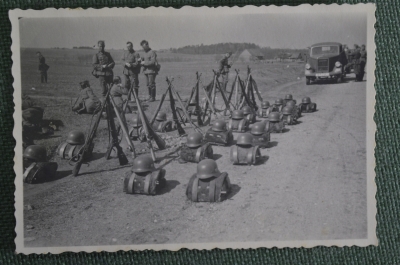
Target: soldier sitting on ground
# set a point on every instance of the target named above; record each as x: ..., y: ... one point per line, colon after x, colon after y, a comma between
x: 117, y: 91
x: 87, y: 101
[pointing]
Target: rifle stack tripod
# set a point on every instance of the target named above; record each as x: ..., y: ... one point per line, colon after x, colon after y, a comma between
x: 243, y: 92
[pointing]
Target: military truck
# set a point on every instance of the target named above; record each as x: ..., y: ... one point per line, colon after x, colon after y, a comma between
x: 326, y: 61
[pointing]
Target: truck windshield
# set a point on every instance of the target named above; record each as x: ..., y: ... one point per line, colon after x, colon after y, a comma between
x: 322, y: 50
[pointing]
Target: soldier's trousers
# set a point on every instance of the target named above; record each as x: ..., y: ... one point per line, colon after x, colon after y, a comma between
x: 151, y: 85
x: 43, y: 77
x: 131, y: 81
x: 105, y: 81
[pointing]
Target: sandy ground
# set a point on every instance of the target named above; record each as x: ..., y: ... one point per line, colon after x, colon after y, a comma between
x: 310, y: 186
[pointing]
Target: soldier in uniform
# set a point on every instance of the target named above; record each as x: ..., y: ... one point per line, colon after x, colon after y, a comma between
x: 131, y: 61
x: 117, y: 91
x: 150, y: 69
x: 103, y: 64
x: 224, y: 69
x: 87, y: 101
x: 43, y: 67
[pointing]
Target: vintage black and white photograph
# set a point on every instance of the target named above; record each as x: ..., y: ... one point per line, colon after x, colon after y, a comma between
x: 198, y: 127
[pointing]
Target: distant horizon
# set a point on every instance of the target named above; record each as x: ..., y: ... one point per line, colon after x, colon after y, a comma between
x: 277, y: 31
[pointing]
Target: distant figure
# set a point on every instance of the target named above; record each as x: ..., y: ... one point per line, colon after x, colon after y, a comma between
x: 131, y: 61
x: 43, y: 67
x: 358, y: 65
x: 150, y: 69
x: 103, y: 64
x: 117, y: 91
x: 223, y: 69
x: 87, y: 101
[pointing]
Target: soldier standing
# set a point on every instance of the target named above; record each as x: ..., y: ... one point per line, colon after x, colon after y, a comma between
x: 131, y: 60
x: 103, y: 64
x: 151, y: 68
x: 224, y: 69
x: 43, y: 67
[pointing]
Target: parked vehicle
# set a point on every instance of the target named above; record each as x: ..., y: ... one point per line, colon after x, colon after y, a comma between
x: 326, y: 61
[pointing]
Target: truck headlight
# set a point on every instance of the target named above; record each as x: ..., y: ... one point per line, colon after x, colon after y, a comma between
x: 338, y: 64
x: 308, y: 66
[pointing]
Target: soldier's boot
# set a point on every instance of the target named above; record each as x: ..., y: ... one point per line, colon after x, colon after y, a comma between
x: 137, y: 93
x: 149, y: 89
x: 152, y: 94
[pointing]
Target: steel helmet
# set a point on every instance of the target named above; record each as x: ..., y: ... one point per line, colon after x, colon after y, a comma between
x: 247, y: 110
x: 161, y: 116
x: 194, y: 139
x: 137, y: 122
x: 219, y: 126
x: 279, y: 101
x: 289, y: 97
x: 36, y: 153
x: 274, y: 116
x: 290, y: 104
x: 265, y: 104
x: 237, y: 114
x: 245, y: 139
x: 287, y: 110
x: 207, y: 168
x: 76, y: 137
x: 142, y: 164
x: 306, y: 100
x: 258, y: 128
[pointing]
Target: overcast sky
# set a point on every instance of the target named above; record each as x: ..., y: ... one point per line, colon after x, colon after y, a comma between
x: 274, y: 30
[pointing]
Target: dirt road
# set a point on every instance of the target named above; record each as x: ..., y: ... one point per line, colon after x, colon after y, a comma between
x: 312, y: 185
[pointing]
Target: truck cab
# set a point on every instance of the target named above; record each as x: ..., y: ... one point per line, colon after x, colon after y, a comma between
x: 326, y: 61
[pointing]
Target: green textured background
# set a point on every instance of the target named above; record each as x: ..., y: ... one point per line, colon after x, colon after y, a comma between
x: 387, y: 158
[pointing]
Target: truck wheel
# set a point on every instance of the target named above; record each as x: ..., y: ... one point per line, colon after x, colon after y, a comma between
x: 308, y: 81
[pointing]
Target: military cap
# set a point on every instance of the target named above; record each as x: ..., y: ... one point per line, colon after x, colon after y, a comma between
x: 102, y: 42
x: 84, y: 84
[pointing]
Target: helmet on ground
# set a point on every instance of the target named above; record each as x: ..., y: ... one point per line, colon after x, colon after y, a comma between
x: 265, y: 104
x: 219, y: 126
x: 247, y: 110
x: 237, y: 114
x: 306, y: 100
x: 274, y: 116
x: 289, y: 97
x: 207, y: 168
x: 76, y: 137
x: 291, y: 103
x: 194, y: 139
x: 258, y: 128
x: 142, y: 164
x: 137, y: 122
x: 161, y: 116
x: 245, y: 139
x: 36, y: 153
x: 279, y: 101
x: 287, y: 110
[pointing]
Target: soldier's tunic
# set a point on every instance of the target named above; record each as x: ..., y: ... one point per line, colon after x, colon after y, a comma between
x: 105, y: 75
x: 131, y: 73
x: 117, y: 91
x: 224, y: 71
x: 32, y: 117
x: 150, y: 71
x: 43, y: 67
x: 87, y: 102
